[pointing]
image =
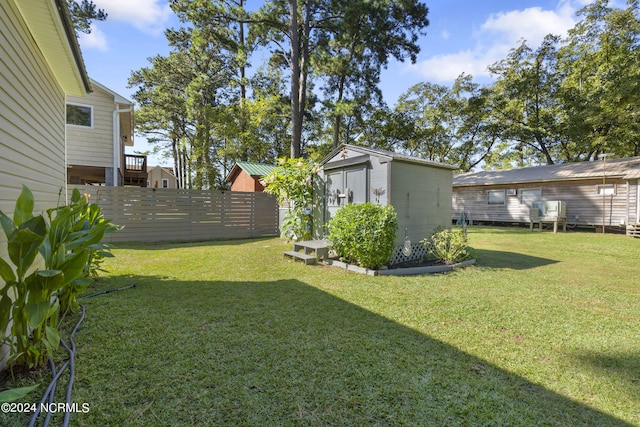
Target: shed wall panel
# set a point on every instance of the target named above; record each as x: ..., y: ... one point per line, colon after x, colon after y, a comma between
x: 378, y: 182
x: 245, y: 182
x: 422, y: 199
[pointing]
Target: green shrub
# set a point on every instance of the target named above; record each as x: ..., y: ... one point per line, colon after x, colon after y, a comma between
x: 450, y: 246
x: 364, y: 234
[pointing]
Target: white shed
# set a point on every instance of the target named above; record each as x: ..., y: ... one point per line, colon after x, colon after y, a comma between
x: 419, y: 190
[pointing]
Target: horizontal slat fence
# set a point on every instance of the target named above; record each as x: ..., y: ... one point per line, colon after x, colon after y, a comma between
x: 168, y: 214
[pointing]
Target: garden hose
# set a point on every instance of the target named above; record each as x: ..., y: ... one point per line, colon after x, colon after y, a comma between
x: 72, y: 366
x: 108, y: 291
x: 50, y: 391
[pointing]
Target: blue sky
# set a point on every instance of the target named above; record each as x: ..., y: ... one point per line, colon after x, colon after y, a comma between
x: 463, y: 36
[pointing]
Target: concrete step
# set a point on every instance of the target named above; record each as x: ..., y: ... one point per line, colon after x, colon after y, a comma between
x: 308, y: 259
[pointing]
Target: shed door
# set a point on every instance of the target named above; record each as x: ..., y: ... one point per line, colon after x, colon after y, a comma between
x: 355, y: 180
x: 339, y: 181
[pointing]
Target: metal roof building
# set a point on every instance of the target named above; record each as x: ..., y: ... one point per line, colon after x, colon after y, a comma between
x: 599, y: 193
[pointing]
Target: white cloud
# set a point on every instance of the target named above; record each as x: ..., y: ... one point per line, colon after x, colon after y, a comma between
x: 96, y: 40
x: 442, y: 68
x: 531, y: 24
x: 148, y: 16
x: 492, y: 41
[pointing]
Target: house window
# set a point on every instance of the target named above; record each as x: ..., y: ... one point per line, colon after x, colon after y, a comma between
x: 165, y: 183
x: 530, y: 195
x: 607, y: 190
x: 79, y: 115
x: 496, y: 197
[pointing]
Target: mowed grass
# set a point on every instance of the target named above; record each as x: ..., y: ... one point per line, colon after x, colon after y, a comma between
x: 544, y: 330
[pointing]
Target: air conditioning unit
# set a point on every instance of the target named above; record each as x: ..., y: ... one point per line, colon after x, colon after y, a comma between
x: 551, y: 209
x: 511, y: 192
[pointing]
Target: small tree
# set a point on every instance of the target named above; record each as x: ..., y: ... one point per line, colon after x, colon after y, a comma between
x: 292, y: 182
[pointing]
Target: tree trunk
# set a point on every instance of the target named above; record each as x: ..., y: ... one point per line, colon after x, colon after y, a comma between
x: 338, y: 116
x: 176, y: 159
x: 296, y: 117
x: 243, y: 87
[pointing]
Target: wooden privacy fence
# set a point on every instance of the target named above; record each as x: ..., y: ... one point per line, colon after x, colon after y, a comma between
x: 167, y: 214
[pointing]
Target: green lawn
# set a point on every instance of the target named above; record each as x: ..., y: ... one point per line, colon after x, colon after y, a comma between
x: 544, y: 330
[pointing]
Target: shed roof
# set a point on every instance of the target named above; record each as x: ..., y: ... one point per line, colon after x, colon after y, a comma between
x: 251, y: 168
x: 385, y: 155
x: 627, y: 168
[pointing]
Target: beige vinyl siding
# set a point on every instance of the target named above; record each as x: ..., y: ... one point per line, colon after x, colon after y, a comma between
x: 92, y: 146
x: 581, y: 198
x: 422, y: 197
x: 32, y: 108
x: 157, y: 174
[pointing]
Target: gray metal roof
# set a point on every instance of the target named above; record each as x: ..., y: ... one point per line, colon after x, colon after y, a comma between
x: 628, y: 168
x: 384, y: 154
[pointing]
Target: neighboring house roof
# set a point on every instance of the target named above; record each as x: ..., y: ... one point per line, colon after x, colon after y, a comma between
x: 257, y: 170
x: 50, y: 24
x: 385, y: 155
x: 117, y: 98
x: 165, y: 169
x: 628, y: 168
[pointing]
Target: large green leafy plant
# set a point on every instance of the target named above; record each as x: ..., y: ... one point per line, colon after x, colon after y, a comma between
x: 32, y: 297
x: 364, y: 233
x: 75, y: 233
x: 292, y: 182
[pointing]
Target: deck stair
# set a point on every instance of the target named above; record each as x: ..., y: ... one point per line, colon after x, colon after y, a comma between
x: 310, y: 251
x: 633, y: 230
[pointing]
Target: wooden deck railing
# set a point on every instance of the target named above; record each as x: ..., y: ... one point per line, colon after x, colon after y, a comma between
x: 135, y: 170
x: 135, y: 163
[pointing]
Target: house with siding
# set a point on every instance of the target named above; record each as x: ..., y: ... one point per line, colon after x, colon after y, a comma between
x: 418, y: 189
x: 246, y: 176
x: 40, y: 64
x: 99, y: 126
x: 598, y: 193
x: 161, y: 177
